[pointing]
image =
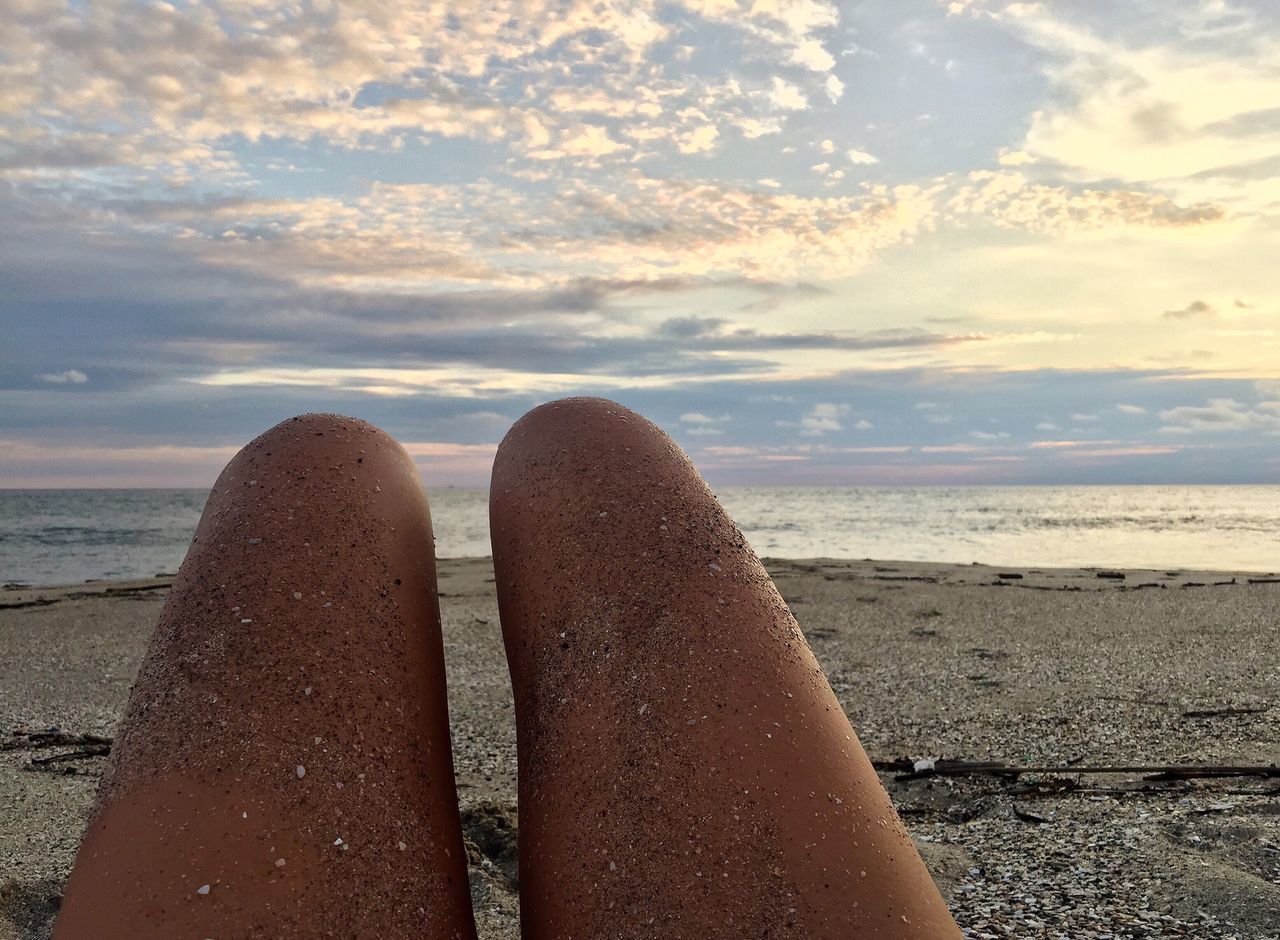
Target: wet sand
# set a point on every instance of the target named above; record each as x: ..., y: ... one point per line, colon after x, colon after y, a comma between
x: 1054, y: 668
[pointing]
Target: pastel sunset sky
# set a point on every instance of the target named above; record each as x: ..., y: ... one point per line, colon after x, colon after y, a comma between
x: 968, y: 241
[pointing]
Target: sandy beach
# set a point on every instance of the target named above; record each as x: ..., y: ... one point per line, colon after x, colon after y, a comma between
x: 1068, y: 670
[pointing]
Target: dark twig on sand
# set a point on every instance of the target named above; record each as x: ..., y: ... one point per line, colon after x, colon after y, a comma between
x: 911, y: 770
x: 87, y: 746
x: 51, y: 737
x: 1028, y: 817
x: 129, y: 590
x: 38, y: 602
x: 1225, y: 712
x: 93, y: 750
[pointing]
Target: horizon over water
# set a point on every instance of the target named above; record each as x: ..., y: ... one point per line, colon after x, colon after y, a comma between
x: 67, y: 536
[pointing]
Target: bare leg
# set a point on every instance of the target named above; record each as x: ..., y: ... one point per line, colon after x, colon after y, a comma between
x: 283, y: 769
x: 685, y: 769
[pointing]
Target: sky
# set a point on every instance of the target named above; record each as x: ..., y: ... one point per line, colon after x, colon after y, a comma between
x: 921, y: 242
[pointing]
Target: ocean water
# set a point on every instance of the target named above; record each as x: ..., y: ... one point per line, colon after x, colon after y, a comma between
x: 68, y: 536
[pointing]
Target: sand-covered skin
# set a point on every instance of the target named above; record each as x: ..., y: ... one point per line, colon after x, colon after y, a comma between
x: 1058, y: 667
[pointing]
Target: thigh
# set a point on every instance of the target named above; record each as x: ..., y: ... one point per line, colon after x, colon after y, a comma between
x: 685, y: 768
x: 283, y: 767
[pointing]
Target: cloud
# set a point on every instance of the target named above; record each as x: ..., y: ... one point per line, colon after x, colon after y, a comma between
x: 1015, y: 158
x: 692, y: 326
x: 43, y: 463
x: 791, y: 32
x: 1120, y: 453
x: 636, y: 227
x: 698, y: 140
x: 933, y: 412
x: 1218, y: 415
x: 174, y: 91
x: 698, y: 418
x: 952, y: 449
x: 1146, y: 105
x: 1131, y: 409
x: 70, y: 376
x: 509, y: 201
x: 247, y: 326
x: 1197, y: 308
x: 443, y: 407
x: 1013, y: 201
x: 784, y: 96
x: 40, y: 462
x: 822, y: 418
x: 989, y: 435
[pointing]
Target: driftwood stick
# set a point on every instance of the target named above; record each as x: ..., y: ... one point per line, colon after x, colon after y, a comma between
x: 38, y: 602
x: 93, y: 750
x: 35, y: 740
x: 910, y: 770
x: 1225, y: 712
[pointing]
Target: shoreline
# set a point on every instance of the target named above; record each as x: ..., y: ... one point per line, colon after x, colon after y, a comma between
x: 11, y: 590
x: 1057, y: 667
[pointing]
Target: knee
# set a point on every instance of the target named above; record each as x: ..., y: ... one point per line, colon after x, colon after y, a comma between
x: 584, y: 446
x: 311, y: 467
x: 299, y: 454
x: 576, y: 426
x: 320, y: 431
x: 567, y: 417
x: 309, y: 440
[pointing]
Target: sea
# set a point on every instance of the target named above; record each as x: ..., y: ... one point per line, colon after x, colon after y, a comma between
x: 70, y: 536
